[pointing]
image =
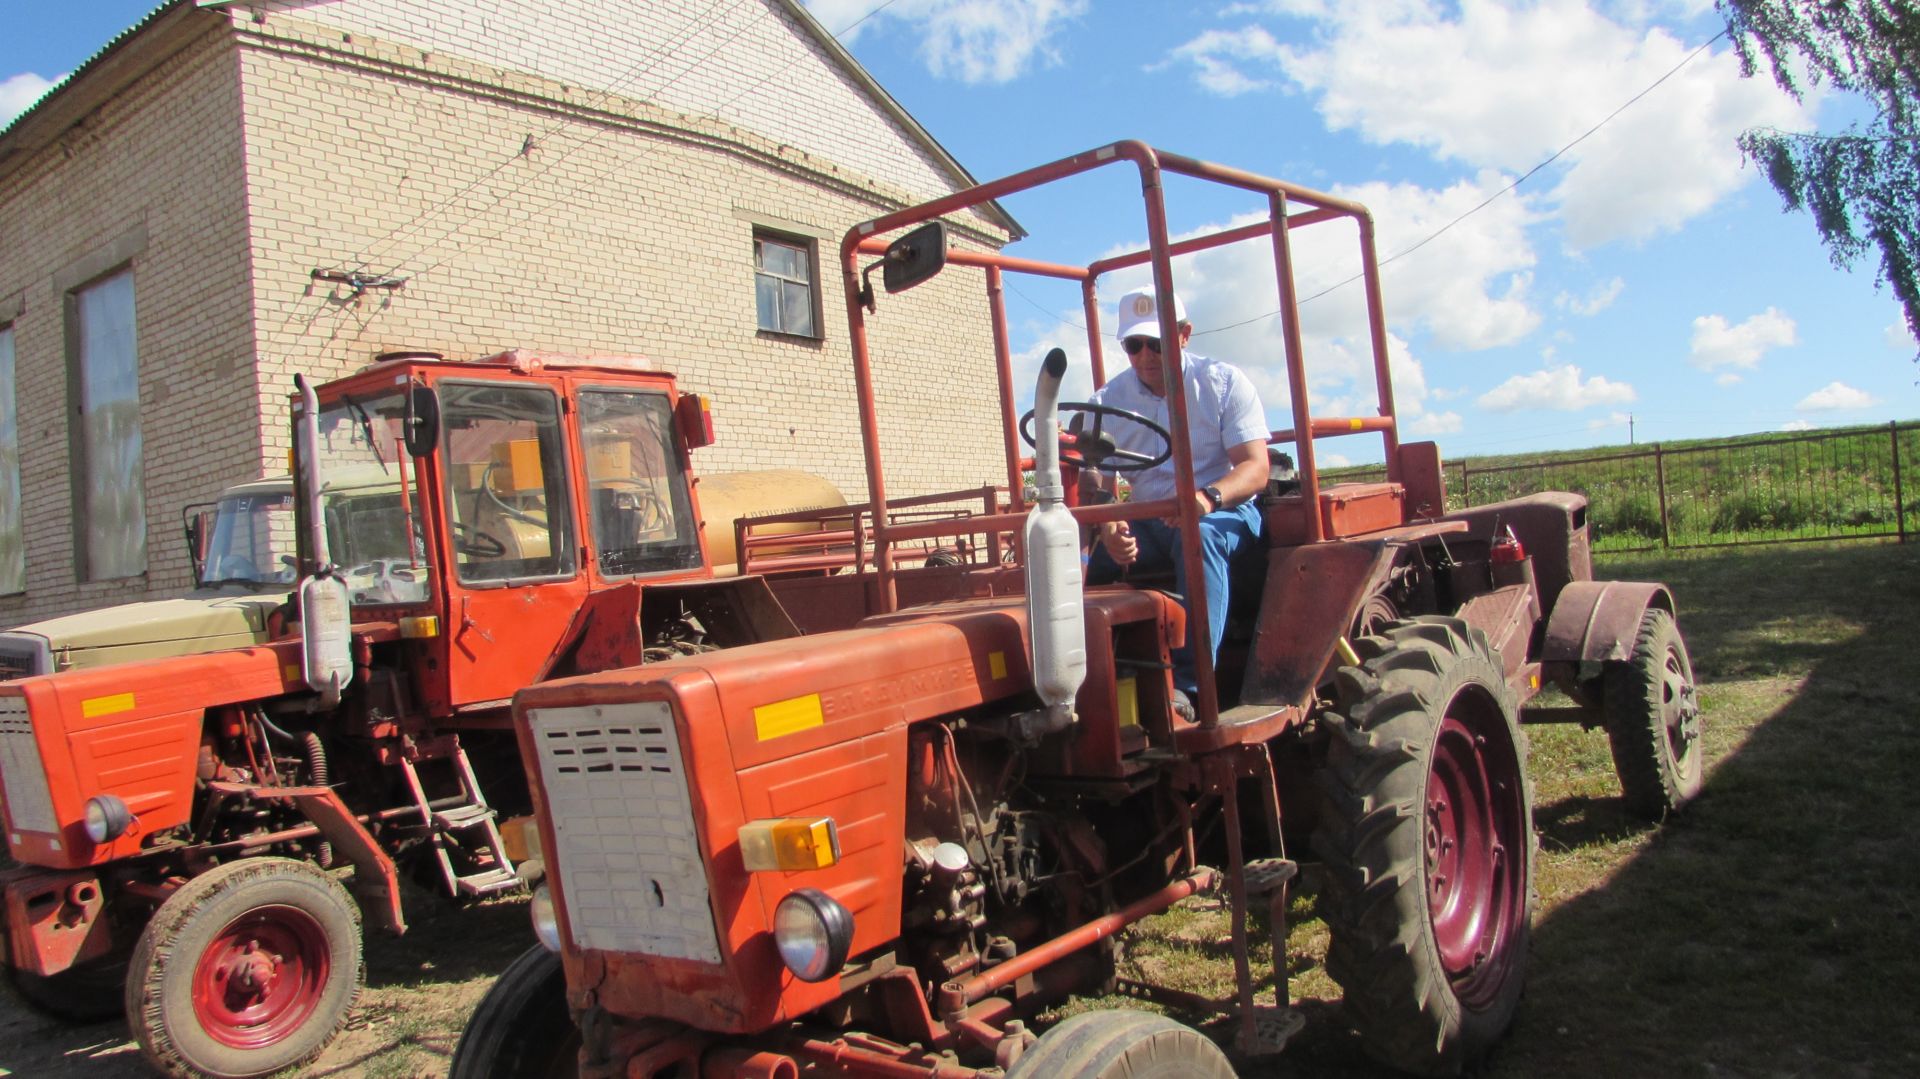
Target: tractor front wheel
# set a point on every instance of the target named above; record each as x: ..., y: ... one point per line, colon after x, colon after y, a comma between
x: 1121, y: 1044
x: 522, y: 1027
x: 1653, y: 720
x: 1428, y: 838
x: 247, y: 969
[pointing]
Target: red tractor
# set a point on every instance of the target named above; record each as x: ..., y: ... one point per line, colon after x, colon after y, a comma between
x: 459, y: 530
x: 884, y: 847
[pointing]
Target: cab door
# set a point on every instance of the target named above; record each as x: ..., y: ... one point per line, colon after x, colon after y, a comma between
x: 511, y: 535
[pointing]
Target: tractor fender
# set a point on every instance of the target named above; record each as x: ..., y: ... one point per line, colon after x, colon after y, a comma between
x: 1595, y: 621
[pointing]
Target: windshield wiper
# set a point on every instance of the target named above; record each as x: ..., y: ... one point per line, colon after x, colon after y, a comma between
x: 366, y: 428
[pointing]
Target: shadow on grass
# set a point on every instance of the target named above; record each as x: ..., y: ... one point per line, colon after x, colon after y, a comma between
x: 1770, y: 930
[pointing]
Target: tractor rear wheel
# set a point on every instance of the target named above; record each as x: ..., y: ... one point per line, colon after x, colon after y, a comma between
x: 522, y: 1026
x: 1427, y: 834
x: 248, y: 969
x: 1121, y: 1044
x: 1653, y: 720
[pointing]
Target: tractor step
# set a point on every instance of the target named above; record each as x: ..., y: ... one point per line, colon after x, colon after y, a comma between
x: 475, y: 863
x: 1264, y: 876
x: 462, y: 816
x: 1272, y: 1027
x: 488, y: 882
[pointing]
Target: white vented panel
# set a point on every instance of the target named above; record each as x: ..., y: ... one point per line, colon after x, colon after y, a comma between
x: 28, y: 803
x: 628, y: 861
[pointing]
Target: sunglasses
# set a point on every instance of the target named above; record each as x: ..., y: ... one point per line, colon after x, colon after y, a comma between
x: 1133, y: 345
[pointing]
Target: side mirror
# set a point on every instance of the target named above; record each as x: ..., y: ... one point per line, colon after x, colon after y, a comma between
x: 421, y: 432
x: 915, y: 257
x: 198, y: 520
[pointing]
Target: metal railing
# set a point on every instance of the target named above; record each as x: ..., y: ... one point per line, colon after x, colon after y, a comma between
x: 1851, y: 483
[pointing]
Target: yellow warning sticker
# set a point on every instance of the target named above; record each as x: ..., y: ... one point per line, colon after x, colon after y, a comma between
x: 997, y: 665
x: 106, y: 706
x: 1355, y: 424
x: 790, y: 716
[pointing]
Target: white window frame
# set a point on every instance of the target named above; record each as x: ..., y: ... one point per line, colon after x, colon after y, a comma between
x: 809, y: 251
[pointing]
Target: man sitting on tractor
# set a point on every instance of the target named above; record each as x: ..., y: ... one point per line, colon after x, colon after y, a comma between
x: 1227, y: 431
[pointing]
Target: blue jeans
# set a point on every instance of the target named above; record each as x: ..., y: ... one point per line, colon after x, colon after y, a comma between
x: 1224, y: 535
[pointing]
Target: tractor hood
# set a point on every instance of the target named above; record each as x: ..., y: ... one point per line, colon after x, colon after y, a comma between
x: 204, y: 620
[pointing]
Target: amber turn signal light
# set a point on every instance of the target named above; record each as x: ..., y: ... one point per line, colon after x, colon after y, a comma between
x: 790, y: 844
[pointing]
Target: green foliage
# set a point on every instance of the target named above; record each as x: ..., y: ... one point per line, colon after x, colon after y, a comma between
x: 1861, y: 185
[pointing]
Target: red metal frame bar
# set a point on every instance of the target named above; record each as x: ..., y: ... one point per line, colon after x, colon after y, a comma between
x: 869, y: 238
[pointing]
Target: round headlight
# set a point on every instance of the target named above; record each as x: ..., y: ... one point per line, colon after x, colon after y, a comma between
x: 546, y: 924
x: 106, y: 817
x: 814, y: 932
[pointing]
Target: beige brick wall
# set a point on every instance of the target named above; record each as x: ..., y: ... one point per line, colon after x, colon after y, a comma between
x: 525, y: 211
x: 623, y: 229
x: 163, y: 161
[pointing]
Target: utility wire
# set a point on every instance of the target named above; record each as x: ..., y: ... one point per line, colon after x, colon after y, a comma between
x: 1489, y: 200
x: 1442, y: 230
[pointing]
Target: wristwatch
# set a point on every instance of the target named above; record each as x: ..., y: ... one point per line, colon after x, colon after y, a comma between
x: 1213, y: 496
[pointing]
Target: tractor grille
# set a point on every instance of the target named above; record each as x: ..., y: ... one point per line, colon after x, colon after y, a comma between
x: 628, y: 860
x: 28, y: 803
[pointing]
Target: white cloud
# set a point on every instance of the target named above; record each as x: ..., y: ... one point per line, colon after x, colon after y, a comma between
x: 1728, y: 378
x: 1835, y: 396
x: 972, y: 41
x: 1718, y: 344
x: 1502, y: 86
x: 1557, y: 388
x: 1598, y: 298
x: 1614, y: 419
x: 1898, y: 336
x: 1216, y: 54
x: 1796, y: 425
x: 19, y: 92
x: 1437, y: 423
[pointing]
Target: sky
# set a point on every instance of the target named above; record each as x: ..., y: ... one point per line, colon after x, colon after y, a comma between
x: 1644, y: 284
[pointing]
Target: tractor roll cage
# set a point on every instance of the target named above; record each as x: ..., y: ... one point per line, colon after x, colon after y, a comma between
x: 869, y: 238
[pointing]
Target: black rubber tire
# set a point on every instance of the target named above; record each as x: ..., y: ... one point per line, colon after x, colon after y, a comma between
x: 1374, y: 837
x: 88, y: 993
x: 522, y: 1027
x: 160, y: 985
x: 1121, y: 1044
x: 1653, y: 720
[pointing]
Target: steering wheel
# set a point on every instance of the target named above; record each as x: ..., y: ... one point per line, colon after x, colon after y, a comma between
x: 1097, y: 451
x: 473, y: 543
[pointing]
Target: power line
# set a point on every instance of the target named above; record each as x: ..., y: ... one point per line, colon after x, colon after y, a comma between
x: 1489, y: 200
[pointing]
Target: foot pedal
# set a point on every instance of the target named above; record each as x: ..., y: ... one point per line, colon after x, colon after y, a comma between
x: 459, y: 817
x: 488, y: 882
x: 1264, y: 876
x: 1272, y: 1027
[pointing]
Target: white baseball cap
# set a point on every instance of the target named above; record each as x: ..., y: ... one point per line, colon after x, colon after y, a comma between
x: 1140, y: 314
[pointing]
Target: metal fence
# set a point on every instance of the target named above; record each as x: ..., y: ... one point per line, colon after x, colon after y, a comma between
x: 1854, y: 483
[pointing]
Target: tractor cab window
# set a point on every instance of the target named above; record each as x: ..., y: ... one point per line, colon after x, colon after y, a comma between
x: 250, y: 542
x: 369, y: 497
x: 507, y: 499
x: 642, y: 516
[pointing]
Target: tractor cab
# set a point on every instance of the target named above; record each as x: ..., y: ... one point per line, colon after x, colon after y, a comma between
x: 471, y: 508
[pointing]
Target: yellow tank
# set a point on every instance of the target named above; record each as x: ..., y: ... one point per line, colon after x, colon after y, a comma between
x: 727, y: 496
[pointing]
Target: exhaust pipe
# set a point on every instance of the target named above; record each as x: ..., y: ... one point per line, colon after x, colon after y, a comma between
x: 1056, y: 619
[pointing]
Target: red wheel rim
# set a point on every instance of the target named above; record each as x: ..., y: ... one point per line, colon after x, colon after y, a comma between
x: 1679, y: 711
x: 1475, y: 835
x: 262, y: 977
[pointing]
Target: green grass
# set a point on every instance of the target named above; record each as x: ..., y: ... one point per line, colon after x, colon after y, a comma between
x: 1770, y: 930
x: 1832, y: 483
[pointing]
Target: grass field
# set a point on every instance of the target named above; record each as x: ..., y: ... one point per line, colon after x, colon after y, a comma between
x: 1769, y: 931
x: 1810, y: 485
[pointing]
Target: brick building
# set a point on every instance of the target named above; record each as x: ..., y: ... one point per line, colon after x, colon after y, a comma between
x: 662, y: 177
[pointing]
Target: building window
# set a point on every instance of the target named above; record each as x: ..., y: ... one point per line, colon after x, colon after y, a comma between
x: 112, y: 501
x: 783, y: 284
x: 13, y: 550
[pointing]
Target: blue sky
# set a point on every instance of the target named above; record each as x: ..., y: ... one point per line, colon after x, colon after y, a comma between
x: 1646, y: 272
